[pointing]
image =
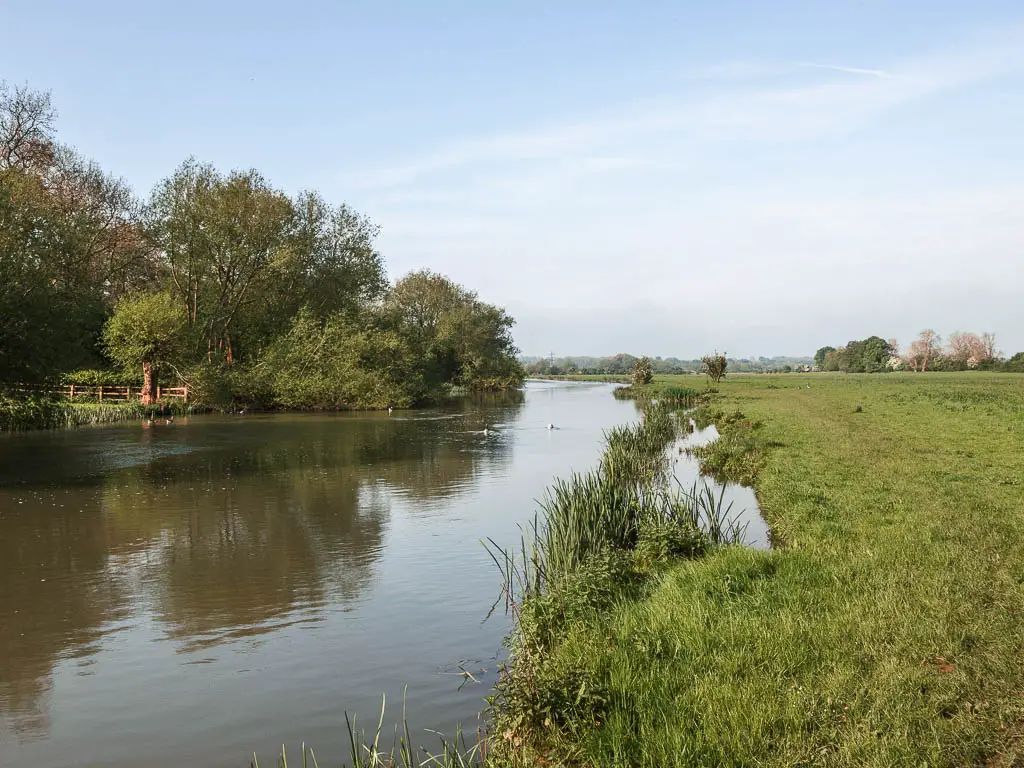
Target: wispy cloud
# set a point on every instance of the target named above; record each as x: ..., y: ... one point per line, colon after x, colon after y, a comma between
x: 743, y: 109
x: 849, y: 70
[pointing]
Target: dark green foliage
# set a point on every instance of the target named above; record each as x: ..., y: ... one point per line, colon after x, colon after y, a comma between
x: 460, y: 340
x: 870, y: 355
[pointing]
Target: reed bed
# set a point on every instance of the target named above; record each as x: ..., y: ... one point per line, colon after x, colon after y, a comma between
x: 44, y: 413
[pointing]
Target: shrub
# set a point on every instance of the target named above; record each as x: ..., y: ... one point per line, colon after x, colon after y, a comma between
x: 643, y: 373
x: 714, y: 366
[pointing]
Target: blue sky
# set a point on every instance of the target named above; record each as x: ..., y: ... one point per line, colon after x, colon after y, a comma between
x: 660, y: 177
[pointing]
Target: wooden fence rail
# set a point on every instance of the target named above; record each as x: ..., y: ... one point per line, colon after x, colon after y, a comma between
x: 103, y: 393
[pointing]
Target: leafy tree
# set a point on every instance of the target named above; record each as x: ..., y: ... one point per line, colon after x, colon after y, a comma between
x: 642, y: 372
x: 69, y: 245
x: 222, y: 238
x: 821, y: 354
x: 333, y: 363
x: 462, y: 340
x: 714, y: 366
x: 147, y: 331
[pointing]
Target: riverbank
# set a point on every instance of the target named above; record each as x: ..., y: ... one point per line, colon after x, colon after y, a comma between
x: 20, y: 415
x: 885, y: 627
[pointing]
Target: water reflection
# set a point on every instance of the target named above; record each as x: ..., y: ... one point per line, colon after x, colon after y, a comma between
x: 215, y: 529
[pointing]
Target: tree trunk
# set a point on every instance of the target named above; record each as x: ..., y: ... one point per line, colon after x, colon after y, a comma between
x: 148, y: 384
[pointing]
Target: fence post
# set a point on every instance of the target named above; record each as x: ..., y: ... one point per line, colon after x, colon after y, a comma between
x: 72, y: 391
x: 185, y: 393
x: 128, y: 396
x: 158, y: 393
x: 101, y: 393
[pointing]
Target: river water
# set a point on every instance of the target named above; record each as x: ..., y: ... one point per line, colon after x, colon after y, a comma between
x: 187, y: 593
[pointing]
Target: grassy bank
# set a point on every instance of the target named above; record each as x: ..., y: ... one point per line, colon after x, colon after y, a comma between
x: 41, y: 413
x: 885, y: 629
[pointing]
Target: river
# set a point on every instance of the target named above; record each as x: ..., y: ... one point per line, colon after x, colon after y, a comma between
x: 187, y: 593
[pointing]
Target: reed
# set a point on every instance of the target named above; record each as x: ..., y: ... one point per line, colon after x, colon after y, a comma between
x: 44, y: 413
x: 369, y: 751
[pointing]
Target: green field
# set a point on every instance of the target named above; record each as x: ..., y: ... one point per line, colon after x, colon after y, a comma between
x: 886, y: 626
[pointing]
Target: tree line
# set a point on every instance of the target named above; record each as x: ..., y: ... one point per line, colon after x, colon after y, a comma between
x: 963, y: 351
x: 622, y: 365
x: 221, y: 281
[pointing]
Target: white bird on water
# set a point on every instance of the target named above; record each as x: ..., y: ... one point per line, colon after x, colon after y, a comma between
x: 551, y: 426
x: 485, y: 431
x: 389, y: 410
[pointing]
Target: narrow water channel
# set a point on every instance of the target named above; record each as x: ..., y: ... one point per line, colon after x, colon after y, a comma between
x: 185, y: 594
x: 743, y: 510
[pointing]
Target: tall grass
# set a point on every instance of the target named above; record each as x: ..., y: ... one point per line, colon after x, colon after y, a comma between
x: 680, y: 397
x: 369, y: 751
x: 45, y: 413
x: 609, y: 509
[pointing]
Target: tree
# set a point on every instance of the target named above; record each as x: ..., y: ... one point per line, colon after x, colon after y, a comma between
x: 923, y: 350
x: 462, y: 340
x: 26, y: 127
x: 875, y: 353
x: 148, y: 331
x: 69, y: 245
x: 643, y: 373
x: 334, y: 363
x: 820, y: 355
x: 714, y: 366
x: 221, y: 238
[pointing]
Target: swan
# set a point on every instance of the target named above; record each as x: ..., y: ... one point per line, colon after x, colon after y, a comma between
x: 551, y: 426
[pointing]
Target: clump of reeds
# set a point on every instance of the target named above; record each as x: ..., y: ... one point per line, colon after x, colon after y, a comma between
x: 606, y: 509
x: 52, y: 413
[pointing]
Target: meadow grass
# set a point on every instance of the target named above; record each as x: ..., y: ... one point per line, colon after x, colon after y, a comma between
x: 886, y: 626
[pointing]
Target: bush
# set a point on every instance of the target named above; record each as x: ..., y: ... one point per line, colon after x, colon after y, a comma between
x: 660, y: 540
x: 714, y: 366
x: 643, y: 373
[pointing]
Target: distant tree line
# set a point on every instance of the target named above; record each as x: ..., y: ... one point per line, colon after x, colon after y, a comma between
x: 221, y: 281
x: 623, y: 365
x: 963, y: 351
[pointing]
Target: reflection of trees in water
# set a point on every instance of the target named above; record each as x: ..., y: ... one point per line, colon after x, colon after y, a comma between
x: 54, y: 597
x: 234, y: 528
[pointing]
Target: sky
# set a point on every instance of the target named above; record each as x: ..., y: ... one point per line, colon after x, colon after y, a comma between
x: 662, y: 178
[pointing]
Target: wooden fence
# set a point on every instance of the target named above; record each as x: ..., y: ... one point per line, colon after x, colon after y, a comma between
x: 102, y: 393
